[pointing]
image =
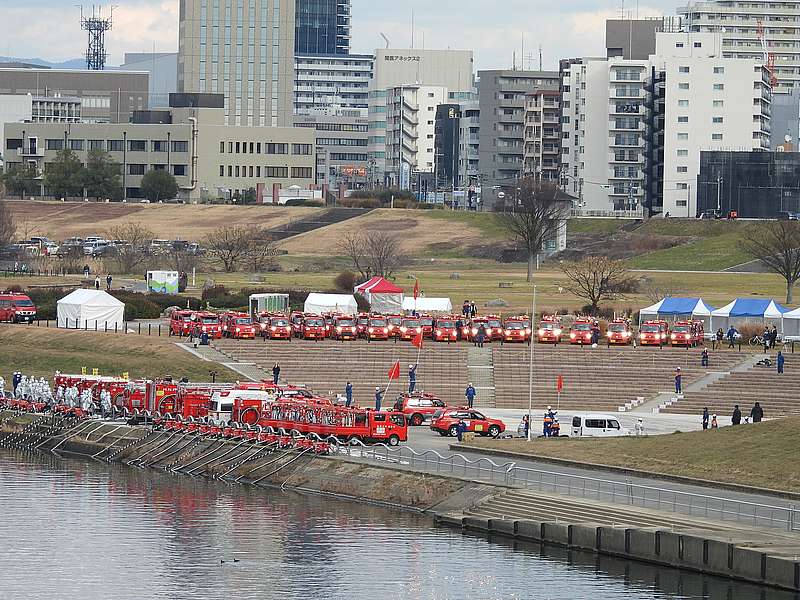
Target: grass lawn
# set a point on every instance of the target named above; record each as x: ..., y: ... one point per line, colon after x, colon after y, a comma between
x: 486, y: 223
x: 607, y: 226
x: 762, y: 455
x: 704, y: 254
x: 41, y: 351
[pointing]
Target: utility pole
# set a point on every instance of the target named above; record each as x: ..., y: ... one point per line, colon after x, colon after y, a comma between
x: 719, y: 193
x: 530, y: 364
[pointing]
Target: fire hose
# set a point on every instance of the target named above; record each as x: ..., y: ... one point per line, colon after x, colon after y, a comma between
x: 84, y: 429
x: 202, y: 466
x: 154, y: 458
x: 283, y: 466
x: 239, y: 456
x: 204, y: 455
x: 264, y: 451
x: 161, y: 443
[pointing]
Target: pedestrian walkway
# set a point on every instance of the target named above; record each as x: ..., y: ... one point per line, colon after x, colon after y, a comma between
x: 248, y: 370
x: 480, y: 367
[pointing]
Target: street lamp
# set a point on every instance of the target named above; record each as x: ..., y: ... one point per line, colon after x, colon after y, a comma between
x: 530, y: 364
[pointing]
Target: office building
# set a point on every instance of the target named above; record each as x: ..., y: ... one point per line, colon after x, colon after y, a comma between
x: 106, y: 96
x: 502, y: 95
x: 331, y: 80
x: 162, y: 67
x: 757, y: 185
x: 322, y: 27
x: 244, y: 50
x: 743, y: 23
x: 190, y: 140
x: 633, y: 130
x: 456, y: 139
x: 341, y: 146
x: 26, y: 108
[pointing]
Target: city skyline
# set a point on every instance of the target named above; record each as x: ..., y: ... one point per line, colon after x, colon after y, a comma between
x: 571, y: 28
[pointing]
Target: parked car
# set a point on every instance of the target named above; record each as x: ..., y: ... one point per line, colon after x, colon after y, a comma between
x: 445, y: 422
x: 596, y: 425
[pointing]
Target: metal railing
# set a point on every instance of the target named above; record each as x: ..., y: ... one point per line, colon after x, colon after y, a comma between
x: 617, y: 492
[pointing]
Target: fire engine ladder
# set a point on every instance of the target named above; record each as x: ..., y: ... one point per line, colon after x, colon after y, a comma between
x: 480, y: 366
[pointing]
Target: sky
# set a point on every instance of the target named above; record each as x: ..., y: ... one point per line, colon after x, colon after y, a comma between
x: 495, y: 30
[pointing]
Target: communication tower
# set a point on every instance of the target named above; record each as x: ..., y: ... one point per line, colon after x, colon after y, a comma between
x: 97, y: 26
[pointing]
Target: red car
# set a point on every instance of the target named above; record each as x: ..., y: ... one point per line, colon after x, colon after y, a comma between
x: 653, y: 333
x: 550, y: 331
x: 377, y: 329
x: 445, y: 422
x: 313, y: 328
x: 238, y: 326
x: 17, y: 308
x: 494, y: 328
x: 687, y: 333
x: 418, y: 407
x: 446, y: 330
x: 344, y: 328
x: 619, y: 333
x: 410, y: 328
x: 514, y: 331
x: 280, y: 328
x: 181, y: 322
x: 581, y: 331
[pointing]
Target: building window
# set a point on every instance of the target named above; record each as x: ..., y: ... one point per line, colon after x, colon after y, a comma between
x: 683, y: 69
x: 683, y: 169
x: 113, y: 145
x: 716, y: 120
x: 683, y: 119
x: 159, y: 146
x: 179, y: 170
x: 277, y: 148
x: 98, y: 144
x: 683, y: 186
x: 719, y: 70
x: 135, y: 169
x: 222, y: 147
x: 55, y: 144
x: 683, y: 86
x: 698, y: 44
x: 230, y: 171
x: 679, y: 45
x: 683, y: 103
x: 683, y: 136
x: 301, y: 149
x: 182, y: 146
x: 683, y: 153
x: 302, y: 172
x: 718, y: 87
x: 719, y: 103
x: 238, y: 147
x: 76, y: 145
x: 277, y: 172
x: 137, y: 146
x: 222, y: 170
x: 717, y: 137
x: 237, y: 171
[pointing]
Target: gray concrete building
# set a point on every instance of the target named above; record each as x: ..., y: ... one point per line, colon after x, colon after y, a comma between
x: 163, y: 70
x: 322, y: 81
x: 190, y: 140
x: 243, y: 49
x: 632, y: 39
x: 502, y: 97
x: 106, y: 96
x: 785, y: 118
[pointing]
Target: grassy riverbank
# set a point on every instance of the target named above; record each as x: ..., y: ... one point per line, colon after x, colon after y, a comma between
x: 40, y: 351
x: 762, y: 455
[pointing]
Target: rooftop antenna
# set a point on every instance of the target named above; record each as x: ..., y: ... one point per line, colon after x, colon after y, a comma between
x: 540, y: 57
x: 385, y: 39
x: 412, y: 28
x: 97, y: 26
x: 622, y: 9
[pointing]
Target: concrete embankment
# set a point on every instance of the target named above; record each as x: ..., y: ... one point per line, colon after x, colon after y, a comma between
x: 768, y: 557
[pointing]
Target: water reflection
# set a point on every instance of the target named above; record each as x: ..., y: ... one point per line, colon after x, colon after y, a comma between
x: 77, y: 529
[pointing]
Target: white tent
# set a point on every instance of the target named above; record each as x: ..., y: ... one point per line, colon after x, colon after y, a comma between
x: 383, y: 296
x: 750, y: 310
x: 679, y: 308
x: 791, y: 325
x: 320, y: 303
x: 428, y: 305
x: 84, y: 308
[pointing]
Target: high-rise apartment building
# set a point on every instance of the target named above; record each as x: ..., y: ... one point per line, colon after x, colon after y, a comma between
x: 322, y: 27
x: 502, y: 95
x: 325, y: 80
x: 742, y: 24
x: 542, y: 134
x: 243, y: 49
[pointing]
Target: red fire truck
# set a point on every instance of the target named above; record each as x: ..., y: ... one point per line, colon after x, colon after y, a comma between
x: 494, y: 328
x: 297, y: 318
x: 470, y: 330
x: 426, y: 321
x: 418, y: 407
x: 313, y: 327
x: 209, y: 323
x: 238, y: 326
x: 687, y: 333
x: 550, y: 330
x: 619, y: 333
x: 653, y: 333
x: 446, y: 329
x: 362, y: 322
x: 410, y: 327
x: 280, y: 328
x: 16, y: 308
x: 377, y: 328
x: 581, y: 331
x: 514, y: 330
x: 95, y: 383
x: 394, y: 324
x: 181, y: 322
x: 344, y: 328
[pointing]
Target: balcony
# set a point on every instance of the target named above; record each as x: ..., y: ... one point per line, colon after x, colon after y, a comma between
x: 31, y: 151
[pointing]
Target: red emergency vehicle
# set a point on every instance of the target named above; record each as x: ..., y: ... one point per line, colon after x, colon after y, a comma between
x: 445, y: 422
x: 514, y: 330
x: 410, y: 327
x: 181, y: 322
x: 280, y: 328
x: 209, y: 323
x: 344, y: 328
x: 470, y: 330
x: 313, y: 327
x: 653, y: 333
x: 687, y: 333
x: 619, y: 333
x: 494, y: 326
x: 95, y: 383
x: 377, y: 328
x: 297, y: 318
x: 418, y: 407
x: 581, y: 331
x: 426, y: 322
x: 16, y: 308
x: 394, y: 324
x: 238, y: 326
x: 362, y: 322
x: 446, y: 329
x: 550, y: 330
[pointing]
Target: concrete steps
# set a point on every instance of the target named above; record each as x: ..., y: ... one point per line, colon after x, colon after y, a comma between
x: 480, y: 366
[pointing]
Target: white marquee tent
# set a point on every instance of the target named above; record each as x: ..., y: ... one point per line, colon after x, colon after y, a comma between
x: 340, y: 303
x: 83, y: 308
x: 428, y: 305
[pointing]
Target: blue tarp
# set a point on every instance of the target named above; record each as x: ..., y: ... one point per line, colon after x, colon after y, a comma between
x: 678, y: 306
x: 752, y: 307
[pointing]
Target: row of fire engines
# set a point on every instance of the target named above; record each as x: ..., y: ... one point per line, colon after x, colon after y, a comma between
x: 586, y: 331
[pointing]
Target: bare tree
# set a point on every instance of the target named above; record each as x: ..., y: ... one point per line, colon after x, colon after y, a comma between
x: 262, y: 249
x: 129, y: 255
x: 373, y: 253
x: 7, y: 227
x: 228, y: 246
x: 532, y: 214
x: 598, y: 278
x: 777, y: 245
x: 655, y: 292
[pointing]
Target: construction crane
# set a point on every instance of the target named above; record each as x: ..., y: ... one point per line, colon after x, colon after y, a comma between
x: 769, y: 57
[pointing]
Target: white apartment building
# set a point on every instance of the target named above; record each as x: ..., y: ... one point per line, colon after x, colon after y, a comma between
x: 322, y: 81
x: 738, y: 22
x: 632, y: 130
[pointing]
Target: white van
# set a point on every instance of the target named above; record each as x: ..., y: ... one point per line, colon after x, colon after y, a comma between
x: 596, y: 425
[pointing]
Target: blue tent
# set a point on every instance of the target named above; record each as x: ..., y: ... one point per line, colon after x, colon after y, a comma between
x: 747, y: 309
x: 672, y: 307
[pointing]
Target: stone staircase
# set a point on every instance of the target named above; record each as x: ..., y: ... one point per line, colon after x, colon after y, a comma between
x: 480, y: 366
x: 329, y: 217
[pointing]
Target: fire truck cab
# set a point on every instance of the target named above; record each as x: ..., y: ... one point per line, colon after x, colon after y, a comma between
x: 313, y: 327
x: 181, y: 322
x: 377, y: 328
x: 209, y: 323
x: 550, y: 330
x: 297, y: 318
x: 581, y: 331
x: 410, y: 327
x: 280, y: 328
x: 471, y: 329
x: 687, y: 333
x: 16, y: 308
x: 653, y: 333
x: 238, y: 326
x: 426, y: 322
x: 514, y: 330
x: 344, y: 328
x: 362, y: 322
x: 394, y: 324
x: 446, y: 329
x: 619, y: 333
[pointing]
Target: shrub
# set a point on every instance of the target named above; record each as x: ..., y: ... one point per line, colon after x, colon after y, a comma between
x: 363, y: 304
x: 345, y: 281
x: 601, y: 313
x: 215, y: 291
x: 360, y: 203
x: 304, y: 202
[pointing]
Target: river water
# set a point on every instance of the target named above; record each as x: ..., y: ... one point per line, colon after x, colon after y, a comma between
x: 72, y: 528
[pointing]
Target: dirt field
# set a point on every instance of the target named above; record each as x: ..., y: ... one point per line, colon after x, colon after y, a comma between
x: 61, y: 220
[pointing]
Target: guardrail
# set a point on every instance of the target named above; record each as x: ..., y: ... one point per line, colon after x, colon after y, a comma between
x: 616, y: 492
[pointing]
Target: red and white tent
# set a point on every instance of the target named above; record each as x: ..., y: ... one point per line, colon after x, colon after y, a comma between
x: 383, y: 296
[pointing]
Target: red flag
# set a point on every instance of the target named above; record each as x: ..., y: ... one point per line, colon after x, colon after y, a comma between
x: 416, y: 289
x: 417, y: 341
x: 394, y: 372
x: 559, y: 383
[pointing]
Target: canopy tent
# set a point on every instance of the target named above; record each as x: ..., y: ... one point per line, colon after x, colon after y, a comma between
x: 383, y: 296
x: 428, y: 305
x: 85, y: 308
x: 694, y: 308
x: 322, y: 303
x: 748, y: 310
x: 791, y: 325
